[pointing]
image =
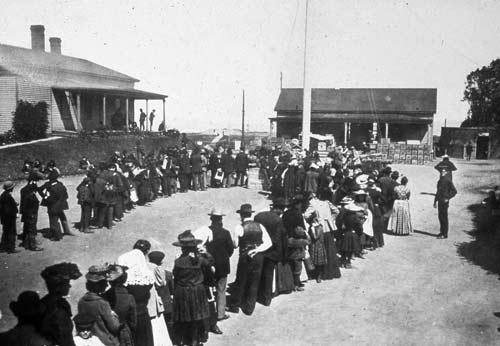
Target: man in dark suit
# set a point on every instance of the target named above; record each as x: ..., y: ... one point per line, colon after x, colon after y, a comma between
x: 29, y: 211
x: 273, y: 223
x: 220, y: 245
x: 445, y: 191
x: 241, y: 163
x: 8, y: 214
x: 196, y: 169
x: 55, y: 198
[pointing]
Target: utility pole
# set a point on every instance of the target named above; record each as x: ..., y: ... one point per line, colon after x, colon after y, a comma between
x: 243, y: 120
x: 281, y: 80
x: 306, y: 105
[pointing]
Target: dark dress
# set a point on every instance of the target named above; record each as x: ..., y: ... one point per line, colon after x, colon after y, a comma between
x: 123, y: 304
x: 144, y: 331
x: 56, y: 324
x: 8, y: 212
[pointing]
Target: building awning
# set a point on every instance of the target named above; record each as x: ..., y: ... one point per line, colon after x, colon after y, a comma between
x: 130, y: 93
x: 361, y: 118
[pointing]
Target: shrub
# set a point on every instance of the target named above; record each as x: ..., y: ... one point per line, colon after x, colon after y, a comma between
x: 30, y: 121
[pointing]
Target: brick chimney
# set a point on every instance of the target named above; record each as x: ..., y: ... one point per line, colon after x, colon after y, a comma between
x: 38, y: 37
x: 55, y: 45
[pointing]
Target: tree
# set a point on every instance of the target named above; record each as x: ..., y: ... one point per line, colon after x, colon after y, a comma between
x: 482, y: 92
x: 30, y: 121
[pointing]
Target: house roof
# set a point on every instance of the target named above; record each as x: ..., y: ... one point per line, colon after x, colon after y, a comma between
x: 26, y: 62
x: 373, y: 101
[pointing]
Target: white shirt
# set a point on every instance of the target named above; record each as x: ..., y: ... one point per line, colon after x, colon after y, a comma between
x: 204, y: 234
x: 266, y: 239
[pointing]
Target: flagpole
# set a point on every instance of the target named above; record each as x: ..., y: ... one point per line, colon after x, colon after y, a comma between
x: 306, y: 105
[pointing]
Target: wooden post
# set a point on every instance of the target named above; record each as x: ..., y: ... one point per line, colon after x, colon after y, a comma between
x: 430, y: 131
x: 242, y: 121
x: 147, y: 115
x: 386, y: 130
x: 104, y: 111
x: 345, y: 133
x: 78, y: 113
x: 306, y: 100
x: 164, y: 123
x: 126, y: 115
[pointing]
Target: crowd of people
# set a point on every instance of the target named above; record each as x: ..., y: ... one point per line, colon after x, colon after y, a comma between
x: 324, y: 214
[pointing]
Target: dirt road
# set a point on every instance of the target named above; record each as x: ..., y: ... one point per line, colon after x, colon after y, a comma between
x: 417, y: 290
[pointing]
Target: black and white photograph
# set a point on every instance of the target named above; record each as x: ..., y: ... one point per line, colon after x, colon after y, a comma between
x: 251, y: 172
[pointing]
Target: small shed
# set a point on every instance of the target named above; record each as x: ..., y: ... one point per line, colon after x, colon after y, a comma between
x: 453, y: 141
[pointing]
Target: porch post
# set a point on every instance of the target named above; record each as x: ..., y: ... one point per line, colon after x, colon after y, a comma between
x: 104, y: 111
x: 164, y: 123
x: 147, y: 115
x: 345, y: 133
x: 374, y: 130
x: 386, y: 130
x: 78, y: 113
x: 430, y: 134
x: 126, y: 114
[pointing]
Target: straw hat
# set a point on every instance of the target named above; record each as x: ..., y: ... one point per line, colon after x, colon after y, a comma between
x: 186, y: 239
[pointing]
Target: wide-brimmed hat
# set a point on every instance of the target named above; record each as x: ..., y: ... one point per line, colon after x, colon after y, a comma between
x: 115, y: 271
x: 359, y: 192
x: 445, y: 156
x: 216, y: 212
x: 187, y: 238
x: 97, y: 273
x: 61, y: 272
x: 8, y: 185
x: 246, y: 209
x: 156, y: 257
x: 27, y: 304
x: 354, y: 207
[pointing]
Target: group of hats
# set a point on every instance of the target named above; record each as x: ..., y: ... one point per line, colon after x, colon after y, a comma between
x: 107, y: 272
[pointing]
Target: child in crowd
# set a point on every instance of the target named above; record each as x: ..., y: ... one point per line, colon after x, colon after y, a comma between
x: 84, y: 336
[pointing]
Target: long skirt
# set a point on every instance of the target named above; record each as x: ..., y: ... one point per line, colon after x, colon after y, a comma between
x: 160, y: 331
x: 317, y: 251
x: 350, y: 242
x: 378, y: 228
x: 368, y: 224
x: 143, y: 335
x: 400, y: 220
x: 284, y: 278
x: 331, y: 269
x: 190, y: 303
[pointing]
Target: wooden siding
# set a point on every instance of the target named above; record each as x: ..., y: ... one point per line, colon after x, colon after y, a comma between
x: 7, y: 102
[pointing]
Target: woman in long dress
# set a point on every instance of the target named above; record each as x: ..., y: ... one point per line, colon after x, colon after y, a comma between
x: 400, y: 220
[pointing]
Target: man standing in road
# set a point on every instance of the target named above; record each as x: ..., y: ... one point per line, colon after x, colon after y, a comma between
x: 468, y: 150
x: 8, y: 215
x: 447, y: 165
x: 445, y: 191
x: 252, y: 239
x: 273, y: 223
x: 55, y: 198
x: 241, y: 163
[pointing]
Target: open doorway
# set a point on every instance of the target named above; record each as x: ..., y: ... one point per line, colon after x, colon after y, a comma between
x: 482, y: 147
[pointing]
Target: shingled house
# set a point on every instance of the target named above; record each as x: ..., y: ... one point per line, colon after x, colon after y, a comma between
x: 354, y: 115
x: 80, y: 94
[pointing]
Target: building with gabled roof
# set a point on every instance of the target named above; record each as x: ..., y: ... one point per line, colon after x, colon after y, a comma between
x: 81, y: 95
x: 355, y: 115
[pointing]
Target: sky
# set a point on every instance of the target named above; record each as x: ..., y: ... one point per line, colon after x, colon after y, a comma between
x: 204, y: 53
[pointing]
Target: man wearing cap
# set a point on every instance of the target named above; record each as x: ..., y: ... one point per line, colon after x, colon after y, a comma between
x: 273, y: 223
x: 447, y: 165
x: 55, y: 198
x: 29, y: 211
x: 252, y: 239
x: 445, y: 191
x: 220, y: 245
x: 8, y: 214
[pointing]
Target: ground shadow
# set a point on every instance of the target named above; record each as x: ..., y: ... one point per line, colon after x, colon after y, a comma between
x: 425, y: 233
x: 484, y: 249
x: 428, y: 193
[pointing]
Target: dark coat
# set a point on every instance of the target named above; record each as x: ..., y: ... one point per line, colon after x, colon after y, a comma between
x: 29, y: 203
x: 291, y: 219
x: 106, y: 325
x: 227, y: 162
x: 195, y: 161
x: 184, y: 165
x: 8, y: 207
x: 214, y: 162
x: 55, y: 196
x: 221, y: 248
x: 274, y: 226
x: 123, y: 304
x: 241, y: 162
x: 445, y: 190
x: 56, y: 324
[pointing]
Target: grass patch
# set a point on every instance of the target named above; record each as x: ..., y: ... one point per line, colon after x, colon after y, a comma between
x: 68, y: 151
